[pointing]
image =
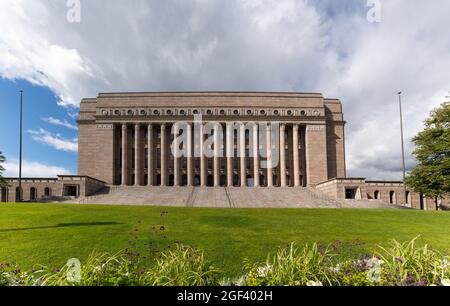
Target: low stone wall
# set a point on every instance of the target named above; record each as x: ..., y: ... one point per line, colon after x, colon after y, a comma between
x: 34, y: 189
x: 390, y: 192
x: 31, y: 188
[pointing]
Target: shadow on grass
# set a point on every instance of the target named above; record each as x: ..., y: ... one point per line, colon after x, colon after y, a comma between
x: 61, y: 225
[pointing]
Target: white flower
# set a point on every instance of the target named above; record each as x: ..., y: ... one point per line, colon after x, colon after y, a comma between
x: 314, y: 284
x: 445, y: 282
x: 336, y: 269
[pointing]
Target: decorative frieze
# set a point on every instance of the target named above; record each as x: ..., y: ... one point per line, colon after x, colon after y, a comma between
x: 209, y: 112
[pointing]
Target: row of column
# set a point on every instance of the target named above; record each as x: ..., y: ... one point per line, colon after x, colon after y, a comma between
x: 216, y: 162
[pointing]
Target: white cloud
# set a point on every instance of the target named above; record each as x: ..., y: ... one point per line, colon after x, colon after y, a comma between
x: 59, y: 122
x: 320, y: 46
x: 56, y: 141
x: 33, y: 169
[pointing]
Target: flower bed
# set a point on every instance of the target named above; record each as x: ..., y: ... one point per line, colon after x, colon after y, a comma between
x: 400, y: 264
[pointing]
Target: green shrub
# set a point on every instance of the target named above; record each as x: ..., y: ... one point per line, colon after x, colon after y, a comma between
x: 293, y: 267
x: 182, y: 266
x: 100, y: 269
x: 405, y: 264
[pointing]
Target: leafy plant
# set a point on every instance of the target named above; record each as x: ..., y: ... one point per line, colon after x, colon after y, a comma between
x: 431, y: 177
x: 100, y: 269
x: 293, y: 267
x: 182, y: 266
x: 406, y: 264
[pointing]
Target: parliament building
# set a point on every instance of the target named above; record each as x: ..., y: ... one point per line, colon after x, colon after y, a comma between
x: 264, y: 145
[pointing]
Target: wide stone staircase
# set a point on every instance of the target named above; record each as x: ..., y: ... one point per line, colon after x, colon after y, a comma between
x: 235, y: 197
x: 226, y: 197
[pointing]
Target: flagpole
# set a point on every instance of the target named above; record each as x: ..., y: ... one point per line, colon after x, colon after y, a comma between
x: 403, y: 145
x: 20, y: 149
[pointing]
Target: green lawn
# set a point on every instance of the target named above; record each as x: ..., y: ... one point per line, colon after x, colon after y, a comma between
x: 50, y: 234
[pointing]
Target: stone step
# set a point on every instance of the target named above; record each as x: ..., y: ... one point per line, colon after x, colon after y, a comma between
x: 238, y: 197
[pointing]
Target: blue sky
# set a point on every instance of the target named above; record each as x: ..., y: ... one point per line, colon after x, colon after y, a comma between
x: 323, y: 46
x: 39, y: 104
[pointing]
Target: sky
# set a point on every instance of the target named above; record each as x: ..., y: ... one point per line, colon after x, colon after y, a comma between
x: 360, y: 51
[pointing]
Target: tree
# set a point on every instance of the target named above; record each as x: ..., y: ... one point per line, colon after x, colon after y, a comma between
x: 3, y: 183
x: 431, y: 176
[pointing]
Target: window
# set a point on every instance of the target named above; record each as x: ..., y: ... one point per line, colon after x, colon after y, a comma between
x: 146, y: 158
x: 4, y: 195
x: 33, y: 194
x: 376, y: 195
x: 392, y: 198
x: 47, y: 192
x: 19, y: 193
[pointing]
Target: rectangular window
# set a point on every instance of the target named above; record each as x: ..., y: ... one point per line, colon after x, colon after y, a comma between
x: 146, y: 158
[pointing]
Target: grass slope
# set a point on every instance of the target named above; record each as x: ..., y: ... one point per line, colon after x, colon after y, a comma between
x: 50, y: 234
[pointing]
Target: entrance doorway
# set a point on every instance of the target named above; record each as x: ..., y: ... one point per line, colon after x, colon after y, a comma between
x: 350, y: 193
x: 71, y: 191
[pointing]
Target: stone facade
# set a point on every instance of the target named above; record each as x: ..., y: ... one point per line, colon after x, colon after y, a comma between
x: 125, y: 138
x: 46, y: 189
x: 359, y: 189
